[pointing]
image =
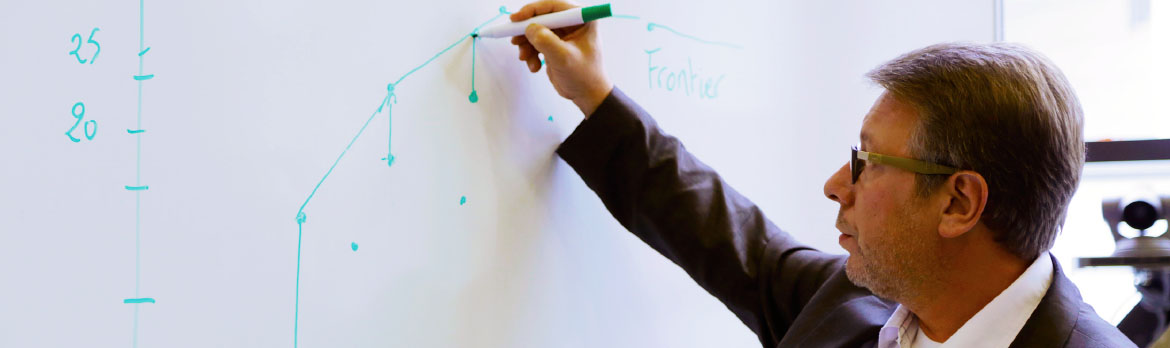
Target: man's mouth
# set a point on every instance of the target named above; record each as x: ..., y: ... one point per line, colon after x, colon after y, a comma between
x: 847, y: 234
x: 842, y: 226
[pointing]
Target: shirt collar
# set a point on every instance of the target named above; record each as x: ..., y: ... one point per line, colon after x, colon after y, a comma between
x: 996, y: 325
x: 897, y: 327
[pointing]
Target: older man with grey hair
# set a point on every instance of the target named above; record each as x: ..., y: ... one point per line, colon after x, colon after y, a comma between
x: 966, y: 166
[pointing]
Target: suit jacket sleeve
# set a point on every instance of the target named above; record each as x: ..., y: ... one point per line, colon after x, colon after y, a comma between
x: 685, y: 211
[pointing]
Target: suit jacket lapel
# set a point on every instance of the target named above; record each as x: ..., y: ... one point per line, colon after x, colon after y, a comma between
x: 1054, y: 318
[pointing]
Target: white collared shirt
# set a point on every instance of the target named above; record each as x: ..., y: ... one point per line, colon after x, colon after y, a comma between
x: 996, y: 325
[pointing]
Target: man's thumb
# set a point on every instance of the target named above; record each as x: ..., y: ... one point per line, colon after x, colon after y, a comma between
x: 545, y: 41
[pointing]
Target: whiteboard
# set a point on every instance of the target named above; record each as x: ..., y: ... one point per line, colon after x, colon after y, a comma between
x: 230, y: 184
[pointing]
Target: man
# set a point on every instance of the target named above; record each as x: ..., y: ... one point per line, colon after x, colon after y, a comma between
x: 966, y: 167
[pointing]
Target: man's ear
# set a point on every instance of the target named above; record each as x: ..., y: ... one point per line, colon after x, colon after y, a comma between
x: 966, y: 192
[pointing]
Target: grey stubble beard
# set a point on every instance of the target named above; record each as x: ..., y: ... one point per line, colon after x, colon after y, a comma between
x: 901, y: 269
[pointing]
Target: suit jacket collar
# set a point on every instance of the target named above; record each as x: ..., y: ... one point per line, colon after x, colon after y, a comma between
x: 850, y: 316
x: 1054, y: 319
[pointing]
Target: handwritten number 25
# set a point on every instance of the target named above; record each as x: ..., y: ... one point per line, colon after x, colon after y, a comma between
x: 77, y: 38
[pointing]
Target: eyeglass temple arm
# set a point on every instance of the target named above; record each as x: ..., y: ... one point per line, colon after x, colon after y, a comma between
x: 906, y: 163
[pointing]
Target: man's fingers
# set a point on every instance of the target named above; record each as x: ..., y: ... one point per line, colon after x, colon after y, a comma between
x: 526, y: 51
x: 541, y: 7
x: 566, y: 32
x: 539, y: 39
x: 545, y: 41
x: 534, y: 63
x: 524, y: 47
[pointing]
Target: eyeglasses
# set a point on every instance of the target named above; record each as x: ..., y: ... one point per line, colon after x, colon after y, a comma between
x: 858, y: 158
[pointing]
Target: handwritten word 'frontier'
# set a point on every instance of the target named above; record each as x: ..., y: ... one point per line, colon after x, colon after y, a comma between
x: 684, y: 79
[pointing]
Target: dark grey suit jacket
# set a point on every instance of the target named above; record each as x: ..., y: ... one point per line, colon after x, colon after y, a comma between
x: 789, y: 294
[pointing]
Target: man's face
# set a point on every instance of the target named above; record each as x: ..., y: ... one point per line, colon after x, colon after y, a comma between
x: 891, y: 236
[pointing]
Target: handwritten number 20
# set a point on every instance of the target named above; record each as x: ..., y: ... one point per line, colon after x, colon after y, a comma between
x: 77, y: 38
x: 79, y: 115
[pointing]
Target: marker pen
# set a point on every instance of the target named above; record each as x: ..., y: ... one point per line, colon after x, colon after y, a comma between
x: 555, y: 20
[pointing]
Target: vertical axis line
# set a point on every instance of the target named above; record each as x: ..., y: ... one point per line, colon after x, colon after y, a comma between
x: 138, y: 176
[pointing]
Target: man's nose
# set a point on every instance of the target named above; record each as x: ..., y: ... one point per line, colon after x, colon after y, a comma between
x: 839, y: 187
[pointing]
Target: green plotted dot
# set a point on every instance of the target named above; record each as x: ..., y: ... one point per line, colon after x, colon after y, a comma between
x: 463, y: 200
x: 353, y: 246
x: 474, y: 97
x: 550, y: 118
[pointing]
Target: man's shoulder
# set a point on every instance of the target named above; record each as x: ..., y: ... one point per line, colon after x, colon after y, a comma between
x: 1064, y: 319
x: 1092, y: 331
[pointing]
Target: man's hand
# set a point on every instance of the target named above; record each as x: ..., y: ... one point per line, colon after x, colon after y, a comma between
x: 572, y: 54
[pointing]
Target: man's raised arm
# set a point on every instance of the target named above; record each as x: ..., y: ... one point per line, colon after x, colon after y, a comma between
x: 667, y: 197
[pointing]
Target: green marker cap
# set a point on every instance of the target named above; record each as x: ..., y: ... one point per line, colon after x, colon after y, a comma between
x: 591, y: 13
